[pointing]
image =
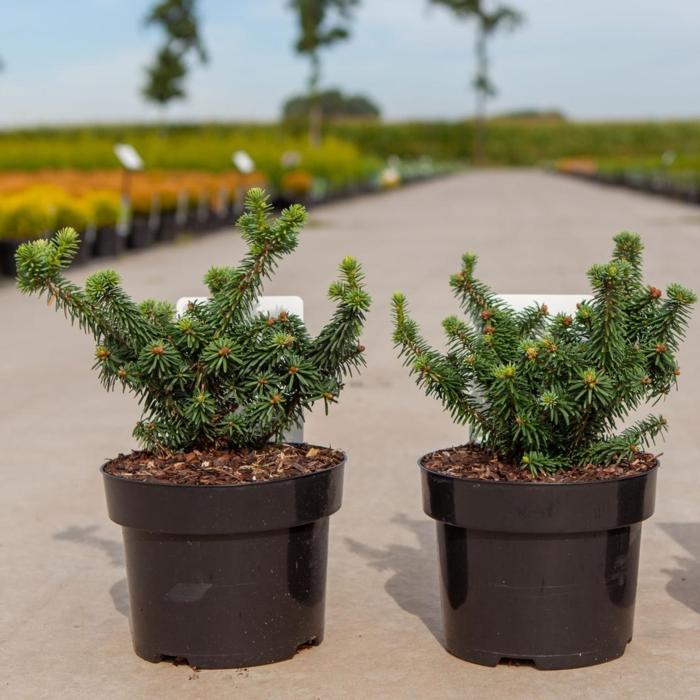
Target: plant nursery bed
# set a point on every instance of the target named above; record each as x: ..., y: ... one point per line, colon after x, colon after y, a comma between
x: 475, y: 463
x: 224, y: 467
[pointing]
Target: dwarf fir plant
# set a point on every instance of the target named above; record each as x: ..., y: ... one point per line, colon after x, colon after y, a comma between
x: 221, y: 375
x: 548, y: 392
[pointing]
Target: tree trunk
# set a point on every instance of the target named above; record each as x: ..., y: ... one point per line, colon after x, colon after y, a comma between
x: 315, y: 124
x: 163, y: 121
x: 315, y: 112
x: 479, y: 146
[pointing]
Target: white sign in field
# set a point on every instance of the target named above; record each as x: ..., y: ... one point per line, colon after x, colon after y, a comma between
x: 243, y: 162
x: 128, y: 156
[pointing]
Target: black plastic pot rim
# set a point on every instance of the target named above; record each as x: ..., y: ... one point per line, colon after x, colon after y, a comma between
x: 522, y: 484
x: 238, y: 487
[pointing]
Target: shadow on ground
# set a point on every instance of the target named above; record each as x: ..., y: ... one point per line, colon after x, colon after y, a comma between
x: 684, y: 584
x: 114, y: 550
x: 413, y: 582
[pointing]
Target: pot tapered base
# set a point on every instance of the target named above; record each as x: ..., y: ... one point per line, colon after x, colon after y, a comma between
x: 221, y: 661
x: 547, y: 662
x: 557, y: 601
x: 227, y: 601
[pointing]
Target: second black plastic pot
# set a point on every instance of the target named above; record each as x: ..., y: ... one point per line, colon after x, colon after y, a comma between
x: 167, y: 228
x: 8, y: 265
x: 539, y: 572
x: 141, y: 235
x: 226, y: 576
x: 108, y: 242
x: 85, y: 246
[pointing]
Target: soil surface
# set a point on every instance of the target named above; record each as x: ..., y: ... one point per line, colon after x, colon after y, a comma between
x: 224, y: 468
x: 474, y: 462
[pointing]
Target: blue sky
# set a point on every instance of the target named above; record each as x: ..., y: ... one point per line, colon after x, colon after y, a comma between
x: 82, y: 60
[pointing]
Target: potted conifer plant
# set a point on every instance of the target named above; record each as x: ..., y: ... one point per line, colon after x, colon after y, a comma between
x: 539, y: 517
x: 225, y: 527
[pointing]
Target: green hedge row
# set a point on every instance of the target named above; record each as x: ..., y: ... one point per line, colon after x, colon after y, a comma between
x: 353, y: 146
x: 524, y: 142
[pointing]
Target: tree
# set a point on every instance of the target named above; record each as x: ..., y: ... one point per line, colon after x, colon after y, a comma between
x: 221, y: 376
x: 547, y: 393
x: 333, y: 105
x: 165, y: 76
x: 488, y: 23
x: 321, y: 24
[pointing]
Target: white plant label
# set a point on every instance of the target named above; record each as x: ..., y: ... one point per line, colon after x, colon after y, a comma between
x: 556, y: 303
x: 128, y: 156
x: 243, y: 162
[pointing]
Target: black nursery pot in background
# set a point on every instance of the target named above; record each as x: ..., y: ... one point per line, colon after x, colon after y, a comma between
x: 108, y: 242
x: 167, y: 228
x: 141, y: 235
x: 8, y: 249
x: 226, y: 576
x: 541, y: 572
x: 86, y: 246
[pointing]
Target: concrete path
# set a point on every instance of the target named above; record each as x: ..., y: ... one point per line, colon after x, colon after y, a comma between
x: 63, y: 626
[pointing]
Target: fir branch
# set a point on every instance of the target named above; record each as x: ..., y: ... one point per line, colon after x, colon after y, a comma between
x: 548, y: 393
x: 669, y: 323
x: 336, y: 349
x: 433, y: 371
x: 221, y: 375
x: 127, y: 322
x: 532, y: 319
x: 39, y: 271
x: 634, y: 439
x: 628, y: 249
x: 235, y: 290
x: 474, y: 296
x: 607, y: 336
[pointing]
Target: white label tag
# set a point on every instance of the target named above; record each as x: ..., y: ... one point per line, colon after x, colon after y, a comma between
x: 243, y: 162
x: 128, y: 157
x: 556, y: 303
x: 267, y: 305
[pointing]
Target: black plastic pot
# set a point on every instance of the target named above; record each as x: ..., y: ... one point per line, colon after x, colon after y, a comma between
x: 86, y: 246
x: 141, y: 235
x: 8, y: 266
x: 213, y: 221
x: 108, y: 242
x: 167, y: 229
x: 198, y: 220
x: 541, y: 572
x: 226, y: 576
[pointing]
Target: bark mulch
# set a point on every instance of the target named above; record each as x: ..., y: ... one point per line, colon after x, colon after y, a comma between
x: 474, y: 462
x: 222, y: 468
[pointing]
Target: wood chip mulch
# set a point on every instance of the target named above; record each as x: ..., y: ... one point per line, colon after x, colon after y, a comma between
x: 473, y: 462
x: 222, y: 468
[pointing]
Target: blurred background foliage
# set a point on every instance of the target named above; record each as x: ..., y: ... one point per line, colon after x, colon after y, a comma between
x: 519, y: 141
x: 326, y: 143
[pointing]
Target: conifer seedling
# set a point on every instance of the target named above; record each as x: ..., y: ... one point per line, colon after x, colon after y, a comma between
x: 547, y: 392
x: 221, y: 376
